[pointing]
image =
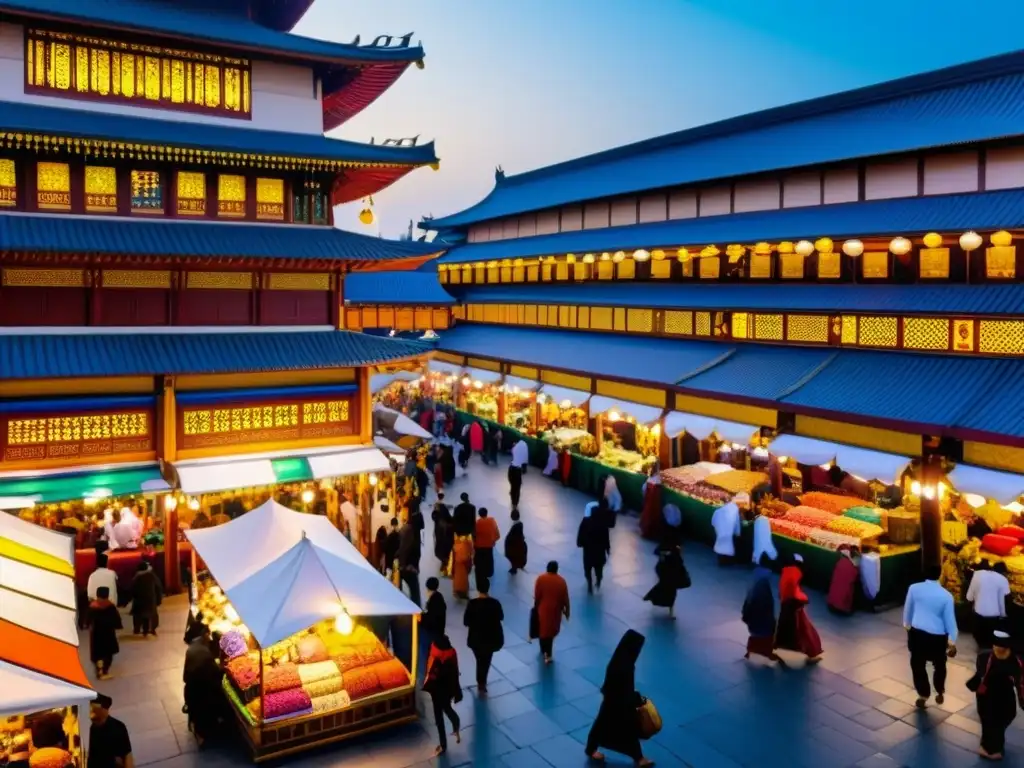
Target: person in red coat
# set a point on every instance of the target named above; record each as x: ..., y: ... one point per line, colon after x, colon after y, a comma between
x: 652, y: 523
x: 476, y: 437
x: 551, y: 599
x: 842, y: 590
x: 795, y: 632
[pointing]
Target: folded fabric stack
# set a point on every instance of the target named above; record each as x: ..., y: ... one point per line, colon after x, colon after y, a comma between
x: 360, y: 683
x: 809, y: 516
x: 286, y: 704
x: 311, y: 650
x: 856, y: 529
x: 320, y: 679
x: 324, y: 687
x: 233, y: 644
x: 830, y: 502
x: 390, y: 674
x: 330, y: 702
x: 280, y: 678
x: 871, y: 515
x: 793, y: 530
x: 244, y: 671
x: 347, y: 659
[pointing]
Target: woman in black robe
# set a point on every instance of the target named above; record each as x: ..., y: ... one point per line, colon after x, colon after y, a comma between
x: 515, y: 544
x: 592, y: 537
x: 672, y: 576
x: 448, y: 464
x: 997, y: 687
x: 444, y: 532
x: 202, y: 679
x: 617, y: 726
x: 147, y: 595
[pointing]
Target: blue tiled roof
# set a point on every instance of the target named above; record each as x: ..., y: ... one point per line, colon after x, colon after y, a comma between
x: 978, y: 101
x: 44, y: 356
x: 418, y: 288
x: 212, y: 24
x: 281, y: 15
x: 52, y: 233
x: 83, y: 124
x: 906, y: 216
x: 761, y: 372
x: 984, y: 299
x: 656, y: 360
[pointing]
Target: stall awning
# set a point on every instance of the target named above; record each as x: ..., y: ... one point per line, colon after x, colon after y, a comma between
x: 16, y: 488
x: 380, y: 381
x: 1004, y: 487
x: 482, y: 375
x: 36, y: 546
x: 25, y: 691
x: 644, y: 414
x: 284, y: 571
x: 524, y: 385
x: 389, y: 420
x: 575, y: 397
x: 864, y: 463
x: 197, y: 476
x: 701, y: 427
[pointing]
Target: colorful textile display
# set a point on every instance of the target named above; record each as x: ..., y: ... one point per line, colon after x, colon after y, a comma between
x: 809, y: 516
x: 390, y: 674
x: 233, y: 644
x: 999, y: 545
x: 244, y: 671
x: 737, y: 480
x: 280, y: 678
x: 361, y: 683
x: 330, y: 702
x: 311, y: 649
x: 321, y: 670
x: 830, y: 502
x: 347, y: 659
x: 856, y: 529
x: 284, y: 703
x: 324, y: 687
x: 871, y: 515
x: 793, y: 530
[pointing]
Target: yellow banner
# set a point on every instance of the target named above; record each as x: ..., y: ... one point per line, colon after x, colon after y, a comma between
x: 632, y: 393
x: 885, y: 440
x: 744, y: 414
x: 1005, y: 457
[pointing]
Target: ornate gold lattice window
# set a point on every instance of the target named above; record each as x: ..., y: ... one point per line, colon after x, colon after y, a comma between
x: 231, y: 197
x: 191, y: 193
x: 144, y: 75
x: 8, y: 184
x: 270, y: 199
x: 147, y: 192
x: 100, y: 189
x: 53, y: 186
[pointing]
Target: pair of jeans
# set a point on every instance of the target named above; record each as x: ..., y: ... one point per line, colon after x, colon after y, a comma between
x: 483, y: 667
x: 443, y: 707
x: 925, y: 647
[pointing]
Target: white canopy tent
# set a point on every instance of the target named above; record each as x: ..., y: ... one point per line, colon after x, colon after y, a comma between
x: 560, y: 395
x: 23, y: 691
x: 864, y: 463
x: 284, y: 571
x: 386, y: 446
x: 644, y: 414
x: 701, y: 427
x: 1004, y: 487
x: 402, y: 424
x: 52, y: 543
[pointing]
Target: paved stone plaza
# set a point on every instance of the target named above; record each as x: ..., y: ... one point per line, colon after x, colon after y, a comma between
x: 854, y: 709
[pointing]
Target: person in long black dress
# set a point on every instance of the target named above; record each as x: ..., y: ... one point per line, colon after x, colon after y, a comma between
x: 104, y: 622
x: 515, y: 545
x: 592, y: 537
x: 444, y: 532
x: 147, y: 595
x: 202, y: 679
x: 672, y: 576
x: 997, y: 686
x: 617, y: 726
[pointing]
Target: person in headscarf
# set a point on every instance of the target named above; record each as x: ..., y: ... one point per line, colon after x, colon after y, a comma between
x: 592, y: 537
x: 462, y: 564
x: 444, y: 534
x: 795, y: 632
x: 202, y: 678
x: 617, y: 726
x: 515, y: 545
x: 842, y: 589
x: 552, y: 466
x: 612, y: 495
x: 128, y: 531
x: 672, y: 530
x: 726, y: 522
x: 672, y: 576
x: 998, y: 686
x: 759, y: 613
x: 763, y: 543
x: 442, y: 683
x: 651, y: 519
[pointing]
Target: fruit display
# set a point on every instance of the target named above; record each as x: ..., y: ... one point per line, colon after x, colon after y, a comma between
x: 855, y: 529
x: 830, y: 502
x: 791, y: 529
x: 692, y: 473
x: 831, y: 540
x: 632, y: 461
x: 737, y: 480
x: 809, y: 516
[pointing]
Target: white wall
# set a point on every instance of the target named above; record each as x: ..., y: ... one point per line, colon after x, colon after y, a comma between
x: 283, y: 97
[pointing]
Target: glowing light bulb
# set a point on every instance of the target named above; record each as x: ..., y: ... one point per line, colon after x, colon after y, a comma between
x: 613, y: 416
x: 170, y: 502
x: 466, y: 381
x: 193, y: 504
x: 343, y: 623
x: 308, y: 496
x: 372, y: 479
x: 478, y: 385
x: 915, y: 488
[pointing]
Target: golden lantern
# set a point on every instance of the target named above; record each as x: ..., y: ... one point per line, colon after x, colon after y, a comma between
x: 683, y: 255
x: 658, y: 255
x: 709, y: 251
x: 824, y: 245
x: 588, y: 258
x: 735, y: 252
x: 619, y: 257
x: 641, y: 255
x: 570, y: 258
x: 970, y: 241
x: 606, y: 256
x: 1002, y: 239
x: 853, y: 248
x: 804, y: 248
x: 933, y: 240
x: 785, y: 247
x: 763, y: 249
x: 366, y: 216
x: 900, y: 246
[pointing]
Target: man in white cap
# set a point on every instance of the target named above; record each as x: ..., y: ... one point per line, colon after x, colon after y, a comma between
x: 930, y: 621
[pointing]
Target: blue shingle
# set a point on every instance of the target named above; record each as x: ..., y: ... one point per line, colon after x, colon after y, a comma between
x: 984, y: 299
x: 208, y: 23
x: 51, y: 233
x: 761, y: 372
x: 973, y: 102
x: 907, y: 216
x: 397, y: 287
x: 83, y: 124
x: 46, y: 356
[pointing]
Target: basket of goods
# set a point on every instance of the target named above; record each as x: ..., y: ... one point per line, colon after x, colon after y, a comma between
x: 903, y: 525
x: 855, y: 529
x: 954, y: 532
x: 792, y: 530
x: 772, y: 507
x: 809, y: 516
x: 830, y: 502
x: 999, y: 545
x: 737, y: 480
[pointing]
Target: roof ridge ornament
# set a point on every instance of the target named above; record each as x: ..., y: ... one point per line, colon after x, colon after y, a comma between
x: 389, y: 41
x: 410, y: 141
x: 499, y: 174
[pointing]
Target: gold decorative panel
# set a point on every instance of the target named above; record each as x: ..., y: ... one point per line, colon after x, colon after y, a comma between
x: 270, y: 199
x: 619, y: 321
x: 191, y: 193
x: 601, y: 318
x: 490, y: 313
x: 829, y: 266
x: 547, y: 269
x: 1001, y: 337
x: 493, y: 275
x: 875, y: 265
x: 140, y: 74
x: 791, y: 266
x: 369, y: 317
x: 963, y: 335
x: 926, y: 332
x: 136, y: 278
x: 710, y: 267
x: 533, y: 273
x: 386, y: 317
x: 100, y: 189
x: 760, y: 266
x: 454, y: 277
x: 567, y: 317
x: 878, y: 331
x: 147, y: 192
x: 230, y: 280
x: 703, y: 324
x: 740, y: 325
x: 934, y: 263
x: 299, y: 281
x: 583, y: 318
x: 553, y: 315
x: 231, y: 196
x: 50, y: 278
x: 640, y: 320
x: 530, y: 314
x: 1001, y: 262
x: 53, y: 186
x: 475, y: 273
x: 807, y: 328
x: 8, y: 184
x: 506, y: 274
x: 542, y: 314
x: 678, y: 322
x: 579, y: 271
x: 627, y: 269
x: 561, y: 270
x: 518, y: 274
x: 605, y: 270
x: 661, y: 269
x: 467, y: 276
x: 849, y: 335
x: 77, y: 429
x: 768, y: 327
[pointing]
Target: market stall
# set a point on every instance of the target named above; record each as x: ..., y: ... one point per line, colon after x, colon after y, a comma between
x: 311, y: 636
x: 44, y: 693
x: 715, y: 440
x: 563, y: 416
x: 479, y: 393
x: 440, y: 381
x: 520, y: 404
x: 396, y: 390
x: 626, y: 433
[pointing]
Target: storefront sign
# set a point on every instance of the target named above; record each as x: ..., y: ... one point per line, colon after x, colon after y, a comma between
x: 225, y: 425
x: 37, y: 437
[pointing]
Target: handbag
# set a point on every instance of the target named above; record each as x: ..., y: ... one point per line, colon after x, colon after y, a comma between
x: 650, y: 719
x: 534, y: 624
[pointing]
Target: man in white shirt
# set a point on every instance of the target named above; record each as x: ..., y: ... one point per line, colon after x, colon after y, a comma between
x: 726, y: 522
x: 988, y: 592
x: 520, y: 457
x: 102, y: 577
x: 930, y: 621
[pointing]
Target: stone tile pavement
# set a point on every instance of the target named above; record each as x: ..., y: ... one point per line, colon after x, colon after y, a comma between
x: 853, y: 709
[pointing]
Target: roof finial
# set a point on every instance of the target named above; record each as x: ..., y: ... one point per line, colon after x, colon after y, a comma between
x: 499, y: 175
